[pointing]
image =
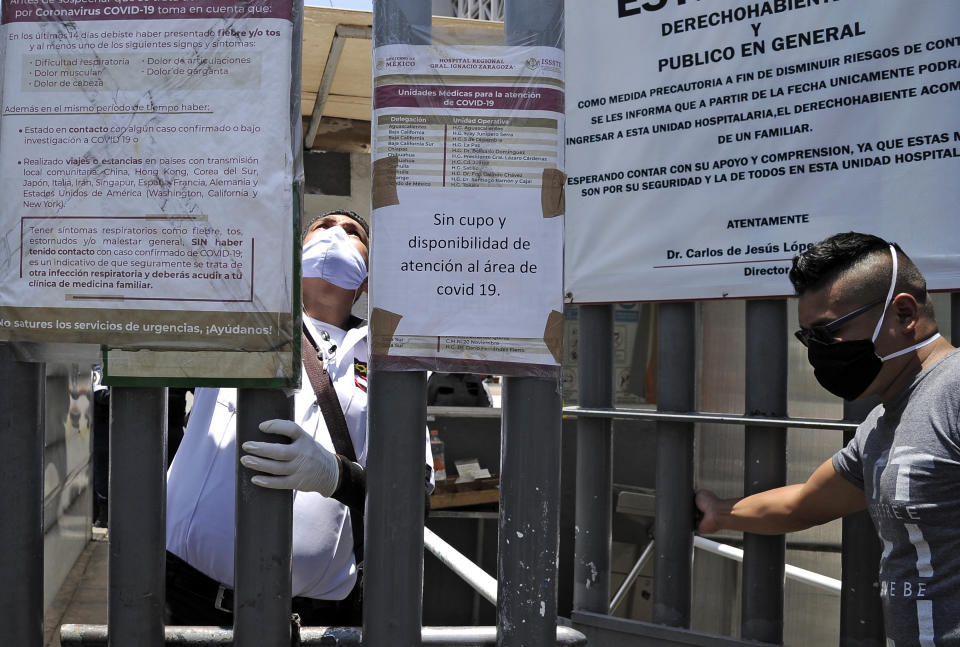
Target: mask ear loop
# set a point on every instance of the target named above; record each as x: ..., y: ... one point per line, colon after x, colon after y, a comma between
x: 876, y: 332
x: 886, y: 304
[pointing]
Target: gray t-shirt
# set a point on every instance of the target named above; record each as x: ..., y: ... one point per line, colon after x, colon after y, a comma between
x: 906, y: 458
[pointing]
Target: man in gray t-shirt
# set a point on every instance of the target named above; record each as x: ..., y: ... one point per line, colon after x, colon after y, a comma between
x: 870, y: 330
x: 906, y: 459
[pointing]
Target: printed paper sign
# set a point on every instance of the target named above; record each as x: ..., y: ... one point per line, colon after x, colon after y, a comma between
x: 468, y: 226
x: 147, y: 174
x: 710, y: 142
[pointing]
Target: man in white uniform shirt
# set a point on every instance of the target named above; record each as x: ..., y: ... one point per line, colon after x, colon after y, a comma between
x: 201, y: 479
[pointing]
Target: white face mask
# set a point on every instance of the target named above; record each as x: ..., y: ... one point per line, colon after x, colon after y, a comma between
x: 332, y: 256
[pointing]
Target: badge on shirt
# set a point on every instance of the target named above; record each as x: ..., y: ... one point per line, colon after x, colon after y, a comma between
x: 360, y: 374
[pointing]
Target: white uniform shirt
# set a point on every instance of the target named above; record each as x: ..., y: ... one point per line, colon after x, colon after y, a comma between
x: 202, y: 480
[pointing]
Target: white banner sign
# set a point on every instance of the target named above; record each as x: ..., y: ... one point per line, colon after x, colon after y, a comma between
x: 709, y: 142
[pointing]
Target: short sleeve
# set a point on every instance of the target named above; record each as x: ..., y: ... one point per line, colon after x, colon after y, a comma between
x: 849, y: 463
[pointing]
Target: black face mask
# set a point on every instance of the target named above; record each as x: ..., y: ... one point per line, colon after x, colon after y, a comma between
x: 844, y: 368
x: 847, y: 368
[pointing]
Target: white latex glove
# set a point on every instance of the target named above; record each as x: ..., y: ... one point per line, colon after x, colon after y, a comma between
x: 302, y: 465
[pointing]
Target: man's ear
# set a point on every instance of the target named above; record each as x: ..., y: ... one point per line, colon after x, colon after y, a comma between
x: 907, y: 310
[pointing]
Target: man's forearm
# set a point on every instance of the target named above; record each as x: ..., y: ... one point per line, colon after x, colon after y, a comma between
x: 825, y: 496
x: 773, y: 512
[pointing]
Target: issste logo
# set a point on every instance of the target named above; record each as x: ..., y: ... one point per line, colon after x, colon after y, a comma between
x: 554, y: 65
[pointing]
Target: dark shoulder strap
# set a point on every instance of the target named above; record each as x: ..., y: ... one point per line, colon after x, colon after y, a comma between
x: 353, y: 484
x: 328, y: 401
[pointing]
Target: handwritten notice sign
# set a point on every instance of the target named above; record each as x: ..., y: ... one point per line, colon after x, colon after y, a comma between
x: 708, y: 143
x: 147, y: 174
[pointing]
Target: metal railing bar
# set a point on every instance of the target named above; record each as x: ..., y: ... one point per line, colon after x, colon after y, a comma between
x: 631, y: 577
x: 602, y: 629
x: 715, y: 418
x: 725, y: 550
x: 478, y: 579
x: 463, y: 514
x: 79, y: 635
x: 792, y: 572
x: 487, y: 636
x: 805, y: 546
x: 446, y: 411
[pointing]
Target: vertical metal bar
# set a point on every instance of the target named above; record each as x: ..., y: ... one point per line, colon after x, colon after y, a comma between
x: 401, y: 22
x: 765, y: 467
x: 393, y: 575
x: 264, y: 534
x: 673, y: 524
x: 591, y: 568
x: 475, y: 610
x: 530, y: 442
x: 393, y: 550
x: 861, y: 612
x: 955, y: 318
x: 529, y: 512
x: 21, y: 506
x: 533, y: 22
x: 138, y: 459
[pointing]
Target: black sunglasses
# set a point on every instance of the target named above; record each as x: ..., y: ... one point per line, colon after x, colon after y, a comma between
x: 824, y: 332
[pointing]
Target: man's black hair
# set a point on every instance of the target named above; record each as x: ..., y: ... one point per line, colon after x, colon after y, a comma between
x: 342, y: 212
x: 825, y: 261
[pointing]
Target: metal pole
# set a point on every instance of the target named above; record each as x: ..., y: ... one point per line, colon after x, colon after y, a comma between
x: 861, y: 612
x: 397, y: 414
x: 765, y: 467
x: 591, y: 565
x: 530, y: 442
x: 529, y: 512
x: 793, y: 572
x: 138, y: 460
x: 264, y: 534
x: 478, y: 579
x: 393, y: 575
x: 955, y: 318
x: 21, y: 507
x: 673, y: 524
x: 809, y: 424
x: 96, y: 636
x: 632, y: 576
x: 401, y: 21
